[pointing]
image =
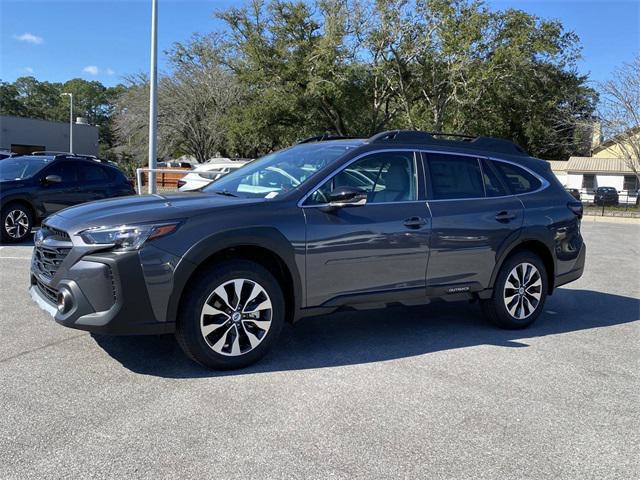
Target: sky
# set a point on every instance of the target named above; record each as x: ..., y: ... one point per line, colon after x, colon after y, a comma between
x: 104, y: 40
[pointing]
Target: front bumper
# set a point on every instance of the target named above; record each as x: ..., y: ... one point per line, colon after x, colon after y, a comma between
x: 109, y: 295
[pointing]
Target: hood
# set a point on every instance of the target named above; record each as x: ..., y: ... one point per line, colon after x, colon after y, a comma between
x: 141, y: 209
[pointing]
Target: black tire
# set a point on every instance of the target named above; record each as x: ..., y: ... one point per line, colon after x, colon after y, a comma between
x: 188, y: 329
x: 16, y: 233
x: 495, y: 308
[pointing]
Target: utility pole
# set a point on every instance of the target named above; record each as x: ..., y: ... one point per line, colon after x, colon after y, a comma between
x: 70, y: 95
x: 153, y: 97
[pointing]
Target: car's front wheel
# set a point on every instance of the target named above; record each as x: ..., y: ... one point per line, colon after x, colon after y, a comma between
x: 17, y: 222
x: 519, y: 292
x: 232, y: 316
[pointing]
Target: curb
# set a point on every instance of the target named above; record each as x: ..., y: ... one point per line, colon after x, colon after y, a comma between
x: 597, y: 219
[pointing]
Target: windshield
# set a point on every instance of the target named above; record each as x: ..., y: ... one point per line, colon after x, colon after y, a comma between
x: 19, y: 168
x: 278, y: 172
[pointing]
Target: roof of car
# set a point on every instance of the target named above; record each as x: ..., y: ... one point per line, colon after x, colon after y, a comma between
x: 355, y: 142
x: 433, y: 140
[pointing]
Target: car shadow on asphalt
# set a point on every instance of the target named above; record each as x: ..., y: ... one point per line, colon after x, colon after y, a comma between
x: 349, y: 338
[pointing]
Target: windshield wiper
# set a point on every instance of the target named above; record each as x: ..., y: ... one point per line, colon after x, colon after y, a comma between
x: 226, y: 193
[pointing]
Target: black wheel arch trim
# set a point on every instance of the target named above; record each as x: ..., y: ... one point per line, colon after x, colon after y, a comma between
x: 21, y: 198
x: 539, y: 235
x: 268, y: 238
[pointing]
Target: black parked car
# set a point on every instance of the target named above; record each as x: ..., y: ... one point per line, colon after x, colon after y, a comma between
x: 35, y: 186
x: 605, y: 196
x: 399, y: 218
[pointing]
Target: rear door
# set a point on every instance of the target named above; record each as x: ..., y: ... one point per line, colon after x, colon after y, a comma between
x: 473, y: 216
x: 363, y: 253
x: 95, y: 181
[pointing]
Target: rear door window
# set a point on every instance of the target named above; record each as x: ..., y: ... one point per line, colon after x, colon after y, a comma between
x: 93, y: 173
x: 455, y: 177
x: 493, y: 184
x: 517, y: 179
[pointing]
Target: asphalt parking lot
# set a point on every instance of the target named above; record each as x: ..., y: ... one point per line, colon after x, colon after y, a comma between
x: 431, y: 392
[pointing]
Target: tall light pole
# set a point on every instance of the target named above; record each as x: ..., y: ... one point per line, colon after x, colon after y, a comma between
x: 153, y: 96
x: 70, y: 95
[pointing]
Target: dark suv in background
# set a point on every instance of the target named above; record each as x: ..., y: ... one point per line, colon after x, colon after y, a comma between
x: 35, y: 186
x: 399, y: 218
x: 606, y: 196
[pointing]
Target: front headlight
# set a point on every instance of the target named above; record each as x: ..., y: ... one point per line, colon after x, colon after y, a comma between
x: 127, y: 237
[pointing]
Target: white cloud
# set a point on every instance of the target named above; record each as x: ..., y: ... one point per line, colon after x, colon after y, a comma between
x: 110, y: 71
x: 91, y: 70
x: 28, y: 69
x: 29, y: 38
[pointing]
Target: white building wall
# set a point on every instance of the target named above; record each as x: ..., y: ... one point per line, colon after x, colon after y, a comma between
x: 562, y: 177
x: 574, y: 180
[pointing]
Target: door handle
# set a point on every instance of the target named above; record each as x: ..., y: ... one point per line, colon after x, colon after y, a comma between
x: 505, y: 217
x: 414, y: 222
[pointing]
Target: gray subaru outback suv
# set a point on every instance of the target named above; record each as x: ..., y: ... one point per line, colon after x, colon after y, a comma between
x: 401, y: 217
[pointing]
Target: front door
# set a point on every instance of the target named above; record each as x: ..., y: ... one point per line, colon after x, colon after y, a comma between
x: 473, y: 216
x: 358, y: 253
x: 56, y: 196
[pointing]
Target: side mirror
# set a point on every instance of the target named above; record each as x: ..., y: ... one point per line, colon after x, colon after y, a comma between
x: 49, y: 179
x: 347, y: 197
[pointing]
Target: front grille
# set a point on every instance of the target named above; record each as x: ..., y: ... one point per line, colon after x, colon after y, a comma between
x: 52, y: 247
x: 50, y: 293
x: 55, y: 234
x: 47, y: 259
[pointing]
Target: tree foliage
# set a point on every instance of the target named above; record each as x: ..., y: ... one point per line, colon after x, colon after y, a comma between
x: 281, y: 70
x: 352, y: 67
x: 28, y: 97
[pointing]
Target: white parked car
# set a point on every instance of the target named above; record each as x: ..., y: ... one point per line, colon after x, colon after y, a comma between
x: 207, y: 172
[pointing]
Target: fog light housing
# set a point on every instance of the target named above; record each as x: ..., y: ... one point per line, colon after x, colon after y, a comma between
x: 65, y: 301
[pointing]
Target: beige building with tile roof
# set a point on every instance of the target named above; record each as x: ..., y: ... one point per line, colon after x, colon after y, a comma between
x: 588, y: 173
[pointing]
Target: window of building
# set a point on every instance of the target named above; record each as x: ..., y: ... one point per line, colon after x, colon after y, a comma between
x: 630, y: 183
x: 589, y: 182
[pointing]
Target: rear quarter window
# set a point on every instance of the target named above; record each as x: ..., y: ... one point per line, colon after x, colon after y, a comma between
x: 517, y: 179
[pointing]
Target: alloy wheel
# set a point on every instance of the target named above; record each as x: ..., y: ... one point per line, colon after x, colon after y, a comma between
x: 523, y: 290
x: 16, y: 224
x: 236, y: 317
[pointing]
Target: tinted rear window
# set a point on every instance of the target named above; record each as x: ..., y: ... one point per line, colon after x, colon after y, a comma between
x: 517, y: 179
x: 93, y: 173
x: 453, y: 177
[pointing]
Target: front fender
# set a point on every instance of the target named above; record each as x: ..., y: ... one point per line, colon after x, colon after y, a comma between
x: 265, y: 237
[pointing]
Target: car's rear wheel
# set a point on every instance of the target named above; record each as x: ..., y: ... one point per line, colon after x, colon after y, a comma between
x: 232, y: 316
x: 519, y: 292
x: 17, y: 222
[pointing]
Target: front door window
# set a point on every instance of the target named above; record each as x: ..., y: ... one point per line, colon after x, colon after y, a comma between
x: 386, y: 177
